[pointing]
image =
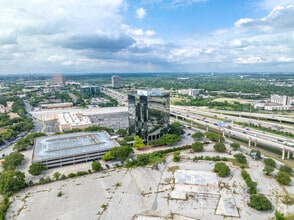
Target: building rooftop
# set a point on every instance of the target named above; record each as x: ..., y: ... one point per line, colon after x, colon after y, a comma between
x: 66, y: 145
x: 73, y: 118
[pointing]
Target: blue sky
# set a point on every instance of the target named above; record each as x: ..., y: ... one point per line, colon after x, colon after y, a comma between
x: 77, y: 36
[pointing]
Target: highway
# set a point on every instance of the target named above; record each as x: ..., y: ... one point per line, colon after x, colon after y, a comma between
x: 224, y: 117
x: 251, y: 135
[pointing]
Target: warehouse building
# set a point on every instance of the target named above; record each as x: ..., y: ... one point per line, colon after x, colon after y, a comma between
x: 74, y: 148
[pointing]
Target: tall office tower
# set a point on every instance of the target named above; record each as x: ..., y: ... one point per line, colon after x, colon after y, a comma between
x: 148, y: 113
x: 116, y: 82
x: 58, y: 79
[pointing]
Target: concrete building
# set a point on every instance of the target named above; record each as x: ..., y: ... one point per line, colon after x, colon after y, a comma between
x: 148, y: 113
x: 116, y: 82
x: 190, y: 92
x: 58, y: 79
x: 74, y: 148
x: 70, y: 120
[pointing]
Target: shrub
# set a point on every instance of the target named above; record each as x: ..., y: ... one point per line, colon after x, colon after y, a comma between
x: 268, y: 170
x: 138, y: 142
x: 176, y: 156
x: 96, y: 166
x: 235, y: 146
x: 71, y: 175
x: 198, y: 135
x: 107, y: 156
x: 260, y: 202
x: 250, y: 184
x: 286, y: 169
x: 36, y: 168
x: 222, y: 169
x: 279, y: 216
x: 197, y: 147
x: 240, y: 158
x: 219, y: 147
x: 269, y: 162
x: 283, y: 178
x: 56, y: 175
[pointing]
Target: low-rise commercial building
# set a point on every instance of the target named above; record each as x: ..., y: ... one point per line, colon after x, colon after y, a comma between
x: 70, y: 120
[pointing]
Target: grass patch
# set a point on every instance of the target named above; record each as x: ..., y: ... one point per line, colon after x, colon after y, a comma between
x: 236, y: 163
x: 173, y: 169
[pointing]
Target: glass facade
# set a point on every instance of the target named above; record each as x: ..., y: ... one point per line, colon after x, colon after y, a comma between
x: 148, y: 115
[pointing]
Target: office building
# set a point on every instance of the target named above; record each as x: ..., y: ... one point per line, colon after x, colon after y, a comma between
x: 148, y: 113
x: 282, y: 100
x: 89, y: 90
x: 116, y: 82
x: 58, y: 79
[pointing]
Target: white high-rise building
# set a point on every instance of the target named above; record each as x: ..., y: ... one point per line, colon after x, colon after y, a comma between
x: 282, y: 100
x: 116, y: 82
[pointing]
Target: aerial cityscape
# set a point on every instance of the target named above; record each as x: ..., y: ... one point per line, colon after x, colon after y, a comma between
x: 178, y: 109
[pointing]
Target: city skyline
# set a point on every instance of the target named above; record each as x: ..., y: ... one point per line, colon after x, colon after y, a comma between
x: 43, y: 36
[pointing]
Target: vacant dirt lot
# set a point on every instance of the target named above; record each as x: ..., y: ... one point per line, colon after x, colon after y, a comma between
x: 184, y: 190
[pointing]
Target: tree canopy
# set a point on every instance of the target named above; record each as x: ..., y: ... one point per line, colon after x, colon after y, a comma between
x: 11, y: 181
x: 12, y: 160
x: 36, y: 168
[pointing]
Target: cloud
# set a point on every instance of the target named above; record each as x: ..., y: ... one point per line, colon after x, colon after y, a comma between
x: 270, y: 4
x: 177, y: 3
x: 141, y: 13
x: 279, y: 18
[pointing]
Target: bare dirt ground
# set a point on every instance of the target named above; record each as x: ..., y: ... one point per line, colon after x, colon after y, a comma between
x: 184, y: 190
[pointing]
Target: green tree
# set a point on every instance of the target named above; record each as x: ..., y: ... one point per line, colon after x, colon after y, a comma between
x: 219, y: 147
x: 198, y: 135
x: 235, y: 146
x: 286, y: 169
x: 138, y: 142
x: 259, y: 202
x: 268, y: 170
x: 107, y: 156
x: 129, y: 138
x: 36, y: 168
x: 279, y: 216
x: 96, y: 166
x: 122, y: 132
x: 11, y: 181
x: 12, y: 160
x: 222, y: 169
x: 269, y: 162
x: 283, y: 178
x: 197, y: 147
x: 121, y: 153
x: 240, y: 158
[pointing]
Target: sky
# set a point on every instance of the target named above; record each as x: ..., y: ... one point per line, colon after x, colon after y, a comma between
x: 117, y: 36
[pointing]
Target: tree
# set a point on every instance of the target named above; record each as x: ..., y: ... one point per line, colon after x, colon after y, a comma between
x: 176, y: 128
x: 283, y: 178
x: 255, y: 153
x: 138, y: 142
x: 286, y: 169
x: 11, y: 181
x: 198, y: 135
x: 107, y: 156
x: 259, y: 202
x: 121, y: 153
x: 219, y: 147
x: 12, y: 160
x: 197, y: 147
x: 96, y: 166
x: 240, y: 158
x: 279, y: 216
x: 235, y: 146
x: 57, y: 175
x: 121, y: 132
x: 268, y: 170
x: 36, y: 168
x: 269, y: 162
x: 222, y: 169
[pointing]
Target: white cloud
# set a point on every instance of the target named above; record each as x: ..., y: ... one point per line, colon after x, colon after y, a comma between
x: 281, y: 17
x: 141, y: 13
x: 270, y: 4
